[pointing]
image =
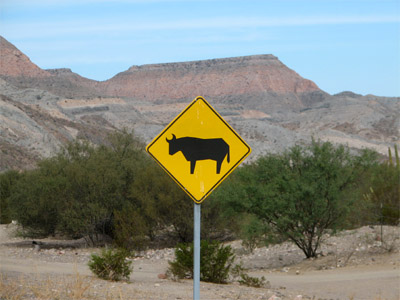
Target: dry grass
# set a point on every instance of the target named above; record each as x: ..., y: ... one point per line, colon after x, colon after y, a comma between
x: 80, y: 287
x: 66, y: 287
x: 46, y: 288
x: 76, y: 287
x: 10, y: 289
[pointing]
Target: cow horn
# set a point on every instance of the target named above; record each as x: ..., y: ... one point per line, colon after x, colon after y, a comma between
x: 173, y: 138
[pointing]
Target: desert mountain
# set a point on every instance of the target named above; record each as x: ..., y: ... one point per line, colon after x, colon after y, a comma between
x: 212, y: 78
x: 13, y: 63
x: 270, y: 105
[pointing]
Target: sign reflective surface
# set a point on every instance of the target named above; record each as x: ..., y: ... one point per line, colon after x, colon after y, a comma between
x: 198, y: 149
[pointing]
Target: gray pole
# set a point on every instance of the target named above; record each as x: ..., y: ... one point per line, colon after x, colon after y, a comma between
x: 196, y: 254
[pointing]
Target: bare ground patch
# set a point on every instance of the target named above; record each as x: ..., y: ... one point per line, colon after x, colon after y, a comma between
x: 355, y: 264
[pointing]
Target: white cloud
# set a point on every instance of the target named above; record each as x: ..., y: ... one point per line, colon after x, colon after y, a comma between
x: 95, y: 26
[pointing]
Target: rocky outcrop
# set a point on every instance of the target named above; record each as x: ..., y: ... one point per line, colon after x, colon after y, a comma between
x: 65, y: 74
x: 260, y: 80
x: 216, y: 78
x: 17, y: 69
x: 14, y: 63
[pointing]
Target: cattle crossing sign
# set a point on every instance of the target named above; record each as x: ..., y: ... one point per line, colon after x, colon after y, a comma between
x: 198, y: 149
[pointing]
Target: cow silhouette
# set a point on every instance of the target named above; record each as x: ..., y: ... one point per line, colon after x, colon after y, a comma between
x: 194, y: 149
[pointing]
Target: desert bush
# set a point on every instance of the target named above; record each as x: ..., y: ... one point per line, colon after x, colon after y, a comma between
x: 89, y: 191
x: 252, y: 281
x: 215, y: 261
x: 7, y: 181
x: 299, y: 194
x: 384, y: 191
x: 77, y: 191
x: 252, y: 232
x: 130, y: 228
x: 112, y: 264
x: 244, y: 279
x: 34, y: 202
x: 163, y: 204
x: 99, y: 180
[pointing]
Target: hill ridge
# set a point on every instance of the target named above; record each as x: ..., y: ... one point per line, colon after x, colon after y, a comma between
x: 270, y: 105
x: 15, y: 63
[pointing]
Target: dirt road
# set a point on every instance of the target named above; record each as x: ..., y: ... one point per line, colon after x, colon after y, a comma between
x: 379, y: 282
x: 362, y: 282
x: 372, y: 275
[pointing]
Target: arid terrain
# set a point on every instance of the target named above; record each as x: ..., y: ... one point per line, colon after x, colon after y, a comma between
x: 268, y: 104
x: 354, y: 264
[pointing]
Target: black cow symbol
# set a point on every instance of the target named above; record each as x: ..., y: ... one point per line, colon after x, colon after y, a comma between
x: 195, y: 149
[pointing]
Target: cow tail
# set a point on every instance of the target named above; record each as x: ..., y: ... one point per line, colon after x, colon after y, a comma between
x: 228, y: 158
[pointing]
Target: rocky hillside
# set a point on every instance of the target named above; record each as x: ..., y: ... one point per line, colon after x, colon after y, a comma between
x: 13, y: 63
x: 270, y: 105
x: 216, y: 78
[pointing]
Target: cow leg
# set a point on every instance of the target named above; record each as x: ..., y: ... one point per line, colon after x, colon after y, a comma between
x: 219, y: 163
x: 192, y: 166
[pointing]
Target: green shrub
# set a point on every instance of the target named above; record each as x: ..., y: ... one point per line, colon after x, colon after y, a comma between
x: 130, y: 229
x: 244, y: 279
x: 251, y: 281
x: 7, y: 181
x: 384, y: 192
x: 35, y: 204
x: 111, y: 264
x: 252, y: 232
x: 215, y: 261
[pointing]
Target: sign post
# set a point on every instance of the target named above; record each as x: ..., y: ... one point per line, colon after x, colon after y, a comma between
x: 198, y: 149
x: 196, y: 252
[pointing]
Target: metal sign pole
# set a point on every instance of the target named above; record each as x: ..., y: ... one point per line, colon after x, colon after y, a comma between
x: 196, y: 254
x: 200, y: 133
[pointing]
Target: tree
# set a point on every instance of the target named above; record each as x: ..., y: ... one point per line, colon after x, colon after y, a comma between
x: 77, y: 191
x: 299, y: 194
x: 34, y: 202
x: 384, y: 190
x: 162, y: 204
x: 99, y: 182
x: 7, y: 181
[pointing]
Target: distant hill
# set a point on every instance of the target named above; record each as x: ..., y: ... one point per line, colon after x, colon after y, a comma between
x: 270, y: 105
x: 246, y: 75
x: 13, y: 63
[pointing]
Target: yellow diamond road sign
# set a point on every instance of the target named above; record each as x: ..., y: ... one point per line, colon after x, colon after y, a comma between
x: 198, y: 149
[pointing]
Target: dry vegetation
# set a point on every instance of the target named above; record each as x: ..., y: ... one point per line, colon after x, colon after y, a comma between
x: 63, y: 274
x: 48, y: 287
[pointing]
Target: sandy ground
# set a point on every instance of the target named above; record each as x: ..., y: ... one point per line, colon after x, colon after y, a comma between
x: 355, y: 266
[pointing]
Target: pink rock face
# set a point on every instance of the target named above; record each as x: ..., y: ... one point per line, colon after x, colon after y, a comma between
x: 217, y: 77
x: 14, y: 63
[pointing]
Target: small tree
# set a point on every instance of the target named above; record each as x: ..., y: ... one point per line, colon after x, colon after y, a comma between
x: 77, y: 191
x: 163, y: 204
x: 34, y: 202
x: 384, y: 192
x: 299, y: 194
x: 7, y: 181
x: 131, y: 228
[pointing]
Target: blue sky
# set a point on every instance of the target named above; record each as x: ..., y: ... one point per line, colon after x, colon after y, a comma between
x: 339, y: 44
